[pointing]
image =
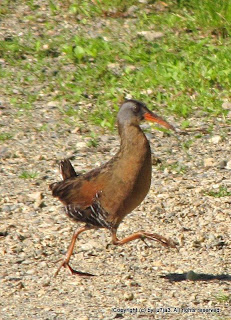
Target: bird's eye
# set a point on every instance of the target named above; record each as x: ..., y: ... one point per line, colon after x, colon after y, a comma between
x: 136, y: 109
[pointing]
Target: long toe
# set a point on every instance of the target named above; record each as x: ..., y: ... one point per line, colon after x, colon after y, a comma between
x: 164, y: 241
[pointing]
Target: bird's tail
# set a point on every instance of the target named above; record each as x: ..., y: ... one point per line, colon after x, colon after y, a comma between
x: 66, y: 169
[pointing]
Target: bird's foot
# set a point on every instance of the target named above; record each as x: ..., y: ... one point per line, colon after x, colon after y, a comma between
x: 154, y: 236
x: 143, y: 235
x: 65, y: 264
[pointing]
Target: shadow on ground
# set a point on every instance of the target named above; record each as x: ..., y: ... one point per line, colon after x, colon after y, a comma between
x: 191, y: 275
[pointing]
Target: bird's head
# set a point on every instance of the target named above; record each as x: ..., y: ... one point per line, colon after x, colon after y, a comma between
x: 132, y: 112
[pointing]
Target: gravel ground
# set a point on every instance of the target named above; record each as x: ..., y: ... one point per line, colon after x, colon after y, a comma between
x: 35, y: 232
x: 134, y: 281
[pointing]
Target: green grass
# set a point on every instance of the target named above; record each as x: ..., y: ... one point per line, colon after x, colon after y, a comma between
x: 28, y: 175
x: 176, y: 167
x: 186, y: 72
x: 93, y: 142
x: 222, y: 192
x: 5, y: 136
x: 102, y: 7
x: 214, y: 16
x: 224, y: 298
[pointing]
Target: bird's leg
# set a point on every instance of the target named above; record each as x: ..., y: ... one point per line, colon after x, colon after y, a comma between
x: 65, y: 262
x: 143, y: 235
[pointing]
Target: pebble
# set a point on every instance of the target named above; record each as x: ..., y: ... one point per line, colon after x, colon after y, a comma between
x: 52, y: 104
x: 128, y: 296
x: 36, y: 195
x: 31, y: 271
x: 226, y: 105
x: 45, y: 281
x: 81, y: 145
x: 216, y: 139
x: 132, y: 9
x: 222, y: 164
x: 89, y: 245
x: 209, y: 162
x: 228, y: 165
x: 151, y: 35
x: 43, y: 264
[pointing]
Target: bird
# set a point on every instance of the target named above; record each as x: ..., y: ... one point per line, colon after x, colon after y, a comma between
x: 102, y: 197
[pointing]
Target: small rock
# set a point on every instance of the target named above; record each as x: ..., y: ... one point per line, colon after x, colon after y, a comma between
x: 228, y: 165
x: 222, y: 164
x: 132, y: 9
x: 81, y: 145
x: 128, y: 296
x: 43, y: 264
x: 160, y: 5
x: 52, y: 104
x: 39, y: 204
x: 45, y: 281
x: 4, y: 153
x: 157, y: 263
x: 151, y: 35
x: 113, y: 66
x: 215, y: 139
x: 209, y: 162
x: 90, y: 246
x: 30, y: 271
x: 20, y: 285
x: 129, y: 69
x: 36, y: 195
x: 226, y: 105
x: 6, y: 208
x: 45, y: 46
x: 76, y: 130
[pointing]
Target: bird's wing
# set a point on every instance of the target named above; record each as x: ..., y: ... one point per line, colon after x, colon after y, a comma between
x: 81, y: 195
x: 76, y: 189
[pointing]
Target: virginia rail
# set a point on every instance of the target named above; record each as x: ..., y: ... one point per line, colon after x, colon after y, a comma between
x: 102, y: 197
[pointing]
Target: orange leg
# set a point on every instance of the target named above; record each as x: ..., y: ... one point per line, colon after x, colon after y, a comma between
x: 65, y: 262
x: 143, y: 235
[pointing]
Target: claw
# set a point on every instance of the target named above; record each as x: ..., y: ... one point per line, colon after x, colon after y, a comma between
x: 164, y: 241
x: 143, y: 239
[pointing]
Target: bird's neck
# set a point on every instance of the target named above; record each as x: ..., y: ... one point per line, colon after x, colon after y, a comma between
x: 133, y: 141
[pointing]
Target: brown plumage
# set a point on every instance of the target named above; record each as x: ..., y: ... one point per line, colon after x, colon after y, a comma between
x: 102, y: 197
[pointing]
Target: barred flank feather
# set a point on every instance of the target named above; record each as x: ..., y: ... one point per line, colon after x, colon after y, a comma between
x: 94, y: 215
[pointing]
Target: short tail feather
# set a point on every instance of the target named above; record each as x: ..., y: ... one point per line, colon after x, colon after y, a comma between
x: 67, y: 171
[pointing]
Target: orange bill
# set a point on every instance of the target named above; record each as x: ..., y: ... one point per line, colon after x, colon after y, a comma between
x: 150, y: 116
